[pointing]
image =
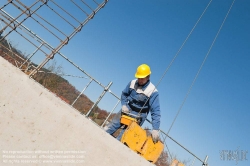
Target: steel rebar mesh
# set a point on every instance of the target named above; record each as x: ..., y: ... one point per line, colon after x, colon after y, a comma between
x: 31, y: 33
x: 45, y: 19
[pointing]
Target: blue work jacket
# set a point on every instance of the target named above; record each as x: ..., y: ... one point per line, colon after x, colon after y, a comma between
x: 135, y: 97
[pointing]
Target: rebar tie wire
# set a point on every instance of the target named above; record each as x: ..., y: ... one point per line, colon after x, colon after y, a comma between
x: 62, y: 74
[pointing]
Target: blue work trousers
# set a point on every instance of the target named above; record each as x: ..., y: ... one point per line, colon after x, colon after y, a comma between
x: 115, y: 124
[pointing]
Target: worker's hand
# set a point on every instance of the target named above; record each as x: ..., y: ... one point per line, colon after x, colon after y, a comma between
x: 155, y: 136
x: 125, y: 109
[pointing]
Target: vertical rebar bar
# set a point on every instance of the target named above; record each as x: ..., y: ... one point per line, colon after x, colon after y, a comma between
x: 99, y: 99
x: 111, y: 112
x: 205, y: 161
x: 82, y: 91
x: 31, y: 55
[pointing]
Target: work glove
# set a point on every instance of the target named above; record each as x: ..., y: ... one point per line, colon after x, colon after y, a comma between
x: 125, y: 109
x: 155, y: 136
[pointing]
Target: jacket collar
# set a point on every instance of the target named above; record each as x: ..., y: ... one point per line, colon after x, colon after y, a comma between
x: 143, y: 86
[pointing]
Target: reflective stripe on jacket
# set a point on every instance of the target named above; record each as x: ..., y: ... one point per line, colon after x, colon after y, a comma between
x: 135, y: 97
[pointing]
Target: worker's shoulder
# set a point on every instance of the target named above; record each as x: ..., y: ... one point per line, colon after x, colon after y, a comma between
x: 132, y: 82
x: 151, y: 88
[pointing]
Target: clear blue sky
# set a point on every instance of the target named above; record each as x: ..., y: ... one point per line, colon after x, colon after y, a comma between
x: 216, y: 114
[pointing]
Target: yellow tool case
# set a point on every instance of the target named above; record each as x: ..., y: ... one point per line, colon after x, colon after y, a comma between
x: 137, y: 140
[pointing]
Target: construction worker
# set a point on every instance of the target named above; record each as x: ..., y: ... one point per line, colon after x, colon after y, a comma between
x: 139, y: 98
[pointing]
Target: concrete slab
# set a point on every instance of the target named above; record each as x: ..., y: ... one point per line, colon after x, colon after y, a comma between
x: 38, y: 128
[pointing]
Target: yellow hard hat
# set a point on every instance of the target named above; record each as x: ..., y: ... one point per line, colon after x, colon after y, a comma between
x: 142, y: 71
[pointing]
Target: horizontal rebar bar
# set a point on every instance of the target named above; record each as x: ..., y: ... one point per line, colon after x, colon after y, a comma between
x: 60, y: 16
x: 79, y: 7
x: 65, y: 11
x: 96, y: 2
x: 87, y: 5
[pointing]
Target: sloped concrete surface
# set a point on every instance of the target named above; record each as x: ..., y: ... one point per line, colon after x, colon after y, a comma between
x: 38, y: 128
